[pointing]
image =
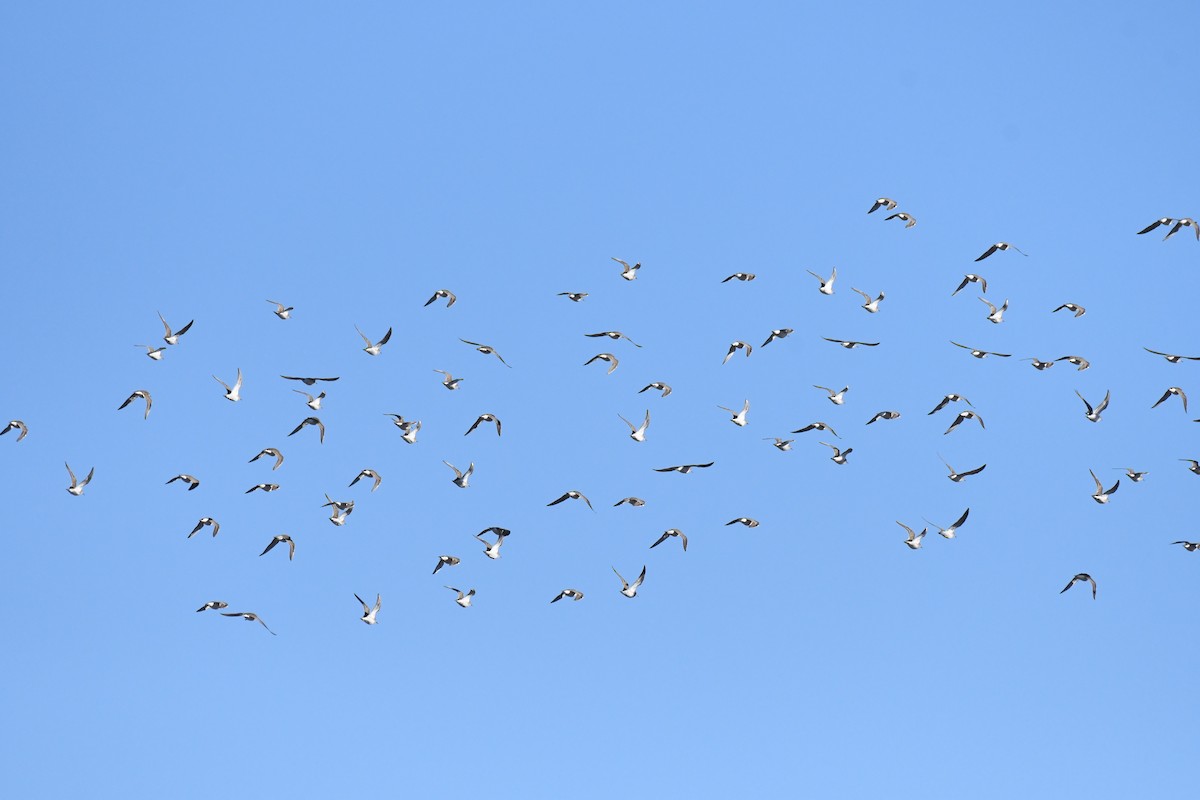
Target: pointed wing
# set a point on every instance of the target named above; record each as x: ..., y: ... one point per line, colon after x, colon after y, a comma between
x: 959, y: 522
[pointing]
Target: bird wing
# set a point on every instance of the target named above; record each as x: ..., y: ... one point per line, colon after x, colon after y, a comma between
x: 1099, y: 486
x: 559, y: 500
x: 1089, y: 405
x: 958, y: 522
x: 1104, y: 403
x: 359, y: 599
x: 974, y: 471
x: 624, y: 583
x: 987, y: 253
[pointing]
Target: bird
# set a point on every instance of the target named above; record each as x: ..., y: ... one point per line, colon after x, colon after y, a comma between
x: 308, y: 381
x: 908, y: 219
x: 817, y: 426
x: 1133, y: 474
x: 950, y: 398
x: 734, y: 347
x: 914, y: 538
x: 980, y: 353
x: 373, y: 348
x: 235, y: 393
x: 266, y: 487
x: 446, y: 294
x: 999, y: 246
x: 571, y: 495
x: 1195, y: 465
x: 212, y: 605
x: 958, y: 477
x: 630, y: 589
x: 636, y: 502
x: 338, y: 518
x: 1083, y: 576
x: 614, y: 335
x: 783, y: 445
x: 1191, y: 547
x: 609, y: 357
x: 995, y: 315
x: 173, y: 337
x: 1173, y: 359
x: 76, y: 487
x: 143, y: 394
x: 313, y: 402
x: 487, y: 350
x: 273, y: 453
x: 629, y: 273
x: 1170, y: 391
x: 1093, y: 415
x: 492, y: 549
x: 1080, y: 362
x: 486, y: 418
x: 747, y: 521
x: 778, y: 333
x: 464, y: 598
x: 739, y: 417
x: 1184, y: 223
x: 958, y: 523
x: 16, y: 425
x: 368, y: 473
x: 152, y: 352
x: 338, y: 505
x: 1078, y: 310
x: 190, y: 480
x: 658, y: 386
x: 741, y: 276
x: 884, y: 415
x: 281, y: 311
x: 461, y: 479
x: 1101, y: 496
x: 1155, y: 224
x: 850, y: 345
x: 446, y: 561
x: 311, y: 421
x: 962, y: 415
x: 450, y: 382
x: 837, y: 398
x: 573, y: 594
x: 410, y: 431
x: 971, y: 278
x: 246, y: 615
x: 839, y: 456
x: 684, y: 469
x: 638, y: 434
x: 883, y: 202
x: 1039, y: 365
x: 826, y: 285
x: 283, y: 537
x: 872, y: 303
x: 668, y: 534
x: 574, y: 297
x: 210, y: 522
x: 369, y: 613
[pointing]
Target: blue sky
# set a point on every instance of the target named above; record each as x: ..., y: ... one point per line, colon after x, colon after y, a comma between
x: 351, y: 159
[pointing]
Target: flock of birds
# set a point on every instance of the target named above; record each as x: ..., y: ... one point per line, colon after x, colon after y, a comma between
x: 341, y: 510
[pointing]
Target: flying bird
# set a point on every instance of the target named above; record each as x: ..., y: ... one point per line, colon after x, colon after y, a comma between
x: 817, y: 426
x: 76, y: 487
x: 311, y: 421
x: 1133, y: 474
x: 210, y: 522
x: 308, y: 381
x: 1080, y: 362
x: 886, y: 203
x: 980, y: 353
x: 739, y: 417
x: 574, y: 297
x: 1078, y: 310
x: 950, y: 398
x: 266, y: 487
x: 487, y: 350
x: 246, y: 615
x: 1155, y: 224
x: 837, y: 398
x: 450, y: 382
x: 368, y: 473
x: 16, y: 425
x: 492, y: 549
x: 958, y: 477
x: 445, y: 294
x: 949, y: 532
x: 747, y: 521
x: 273, y: 453
x: 628, y: 273
x: 143, y: 394
x: 971, y: 278
x: 1191, y: 547
x: 1174, y: 390
x: 1039, y: 365
x: 411, y: 429
x: 734, y: 347
x: 839, y: 456
x: 464, y: 598
x: 313, y: 402
x: 668, y: 534
x: 190, y: 480
x: 1184, y: 223
x: 152, y: 352
x: 461, y: 479
x: 741, y: 276
x: 850, y: 345
x: 783, y: 445
x: 614, y: 335
x: 369, y: 613
x: 484, y: 418
x: 630, y: 589
x: 1101, y: 496
x: 446, y: 561
x: 571, y: 495
x: 609, y: 357
x: 212, y: 605
x: 1083, y: 576
x: 280, y: 310
x: 914, y: 538
x: 173, y: 337
x: 884, y: 415
x: 826, y: 285
x: 871, y: 304
x: 995, y: 315
x: 638, y: 433
x: 1093, y: 415
x: 373, y: 348
x: 962, y: 415
x: 999, y: 246
x: 283, y: 537
x: 658, y: 386
x: 1172, y: 358
x: 778, y: 333
x: 571, y: 594
x: 232, y: 394
x: 636, y: 502
x: 686, y: 468
x: 908, y: 219
x: 1195, y: 465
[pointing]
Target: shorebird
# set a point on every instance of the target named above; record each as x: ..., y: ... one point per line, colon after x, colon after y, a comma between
x: 311, y: 421
x: 235, y: 393
x: 373, y: 348
x: 368, y: 473
x: 338, y: 505
x: 269, y: 451
x: 338, y: 518
x: 1078, y: 310
x: 308, y: 381
x: 995, y: 315
x: 884, y: 415
x: 871, y: 304
x: 630, y: 589
x: 1080, y: 362
x: 638, y: 434
x: 1039, y: 365
x: 1155, y: 224
x: 246, y: 615
x: 999, y: 246
x: 464, y: 598
x: 1195, y: 465
x: 614, y: 335
x: 1093, y: 415
x: 609, y: 357
x: 369, y: 613
x: 628, y: 273
x: 571, y: 495
x: 686, y: 468
x: 574, y: 297
x: 411, y: 429
x: 212, y: 605
x: 636, y: 502
x: 837, y: 398
x: 190, y: 480
x: 734, y: 347
x: 1083, y: 576
x: 16, y: 425
x: 283, y: 537
x: 450, y: 382
x: 1133, y: 474
x: 143, y: 394
x: 76, y: 487
x: 961, y: 416
x: 1191, y: 547
x: 850, y: 345
x: 886, y: 203
x: 950, y: 398
x: 173, y: 338
x: 914, y: 538
x: 492, y: 549
x: 313, y: 402
x: 1172, y: 358
x: 980, y: 353
x: 281, y: 311
x: 908, y: 219
x: 958, y: 477
x: 266, y: 487
x: 1170, y: 391
x: 1184, y: 223
x: 1101, y: 496
x: 487, y: 350
x: 839, y: 456
x: 461, y: 479
x: 485, y: 418
x: 658, y: 386
x: 826, y: 285
x: 446, y: 561
x: 210, y: 522
x: 739, y: 417
x: 747, y: 521
x: 741, y: 276
x: 155, y: 353
x: 778, y: 333
x: 949, y: 532
x: 445, y: 294
x: 571, y: 594
x: 668, y: 534
x: 783, y: 445
x: 971, y: 278
x: 817, y: 426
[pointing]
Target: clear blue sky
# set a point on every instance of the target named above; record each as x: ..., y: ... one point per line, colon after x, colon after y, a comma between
x: 349, y: 159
